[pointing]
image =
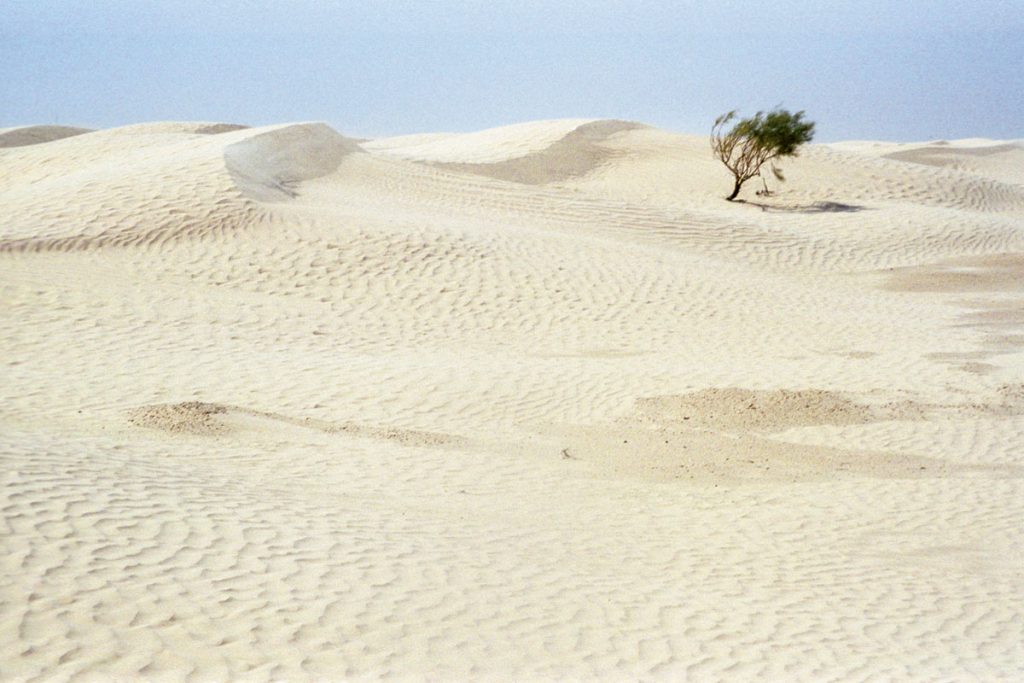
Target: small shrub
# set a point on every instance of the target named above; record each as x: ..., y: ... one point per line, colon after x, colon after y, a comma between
x: 753, y: 142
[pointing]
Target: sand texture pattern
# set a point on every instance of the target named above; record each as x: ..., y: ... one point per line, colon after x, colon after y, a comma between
x: 532, y: 403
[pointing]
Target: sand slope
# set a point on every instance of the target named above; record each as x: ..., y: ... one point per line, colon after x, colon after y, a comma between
x: 527, y: 403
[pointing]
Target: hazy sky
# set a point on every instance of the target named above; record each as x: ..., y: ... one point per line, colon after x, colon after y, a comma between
x: 871, y: 69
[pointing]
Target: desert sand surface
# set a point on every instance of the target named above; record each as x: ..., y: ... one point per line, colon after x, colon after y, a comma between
x: 531, y: 403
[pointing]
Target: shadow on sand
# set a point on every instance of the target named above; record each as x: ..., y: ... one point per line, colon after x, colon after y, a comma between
x: 816, y: 207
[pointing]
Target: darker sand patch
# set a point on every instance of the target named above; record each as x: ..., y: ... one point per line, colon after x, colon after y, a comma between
x: 994, y: 314
x: 996, y: 273
x: 406, y: 437
x: 725, y: 435
x: 1000, y: 318
x: 191, y: 417
x: 942, y: 154
x: 35, y: 135
x: 216, y: 419
x: 218, y: 128
x: 733, y: 409
x: 972, y: 362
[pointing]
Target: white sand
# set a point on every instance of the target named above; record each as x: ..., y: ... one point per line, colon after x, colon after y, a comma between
x: 530, y: 403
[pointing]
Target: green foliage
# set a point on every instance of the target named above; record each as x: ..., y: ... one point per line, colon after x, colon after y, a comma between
x: 754, y: 141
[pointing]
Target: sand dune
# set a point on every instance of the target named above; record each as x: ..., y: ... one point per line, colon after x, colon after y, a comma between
x: 270, y: 165
x: 996, y: 159
x: 531, y: 403
x: 533, y: 153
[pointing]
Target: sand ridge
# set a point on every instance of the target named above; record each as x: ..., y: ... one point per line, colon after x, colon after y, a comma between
x: 532, y: 403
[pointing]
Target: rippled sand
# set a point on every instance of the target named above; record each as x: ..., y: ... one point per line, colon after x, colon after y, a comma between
x: 532, y: 403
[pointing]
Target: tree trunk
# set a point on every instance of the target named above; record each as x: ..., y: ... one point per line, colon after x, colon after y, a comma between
x: 735, y: 190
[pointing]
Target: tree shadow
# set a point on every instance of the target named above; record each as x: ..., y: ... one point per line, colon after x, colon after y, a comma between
x: 816, y: 207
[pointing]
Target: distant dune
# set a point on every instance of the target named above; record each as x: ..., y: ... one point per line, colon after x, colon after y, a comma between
x: 528, y: 403
x: 33, y: 135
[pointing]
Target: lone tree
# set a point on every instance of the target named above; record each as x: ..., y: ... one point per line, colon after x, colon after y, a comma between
x: 753, y: 142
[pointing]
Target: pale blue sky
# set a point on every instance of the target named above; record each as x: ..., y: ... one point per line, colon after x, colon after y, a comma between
x: 908, y: 70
